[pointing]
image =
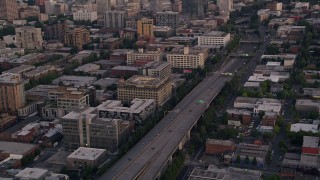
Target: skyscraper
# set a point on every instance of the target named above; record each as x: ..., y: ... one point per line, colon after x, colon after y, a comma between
x: 8, y: 10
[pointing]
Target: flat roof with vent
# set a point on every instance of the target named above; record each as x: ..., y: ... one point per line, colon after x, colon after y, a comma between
x: 87, y: 153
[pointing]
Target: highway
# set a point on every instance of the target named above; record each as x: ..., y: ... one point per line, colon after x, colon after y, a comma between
x: 148, y: 157
x: 150, y: 154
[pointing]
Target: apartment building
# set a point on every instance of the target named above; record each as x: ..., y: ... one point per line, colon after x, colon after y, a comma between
x: 55, y: 30
x: 145, y: 87
x: 77, y: 37
x: 274, y: 6
x: 11, y: 93
x: 156, y: 69
x: 8, y: 10
x: 132, y: 57
x: 84, y: 15
x: 63, y: 100
x: 115, y: 18
x: 214, y: 39
x: 138, y: 111
x: 145, y: 27
x: 84, y: 128
x: 188, y: 58
x: 167, y: 18
x: 29, y: 37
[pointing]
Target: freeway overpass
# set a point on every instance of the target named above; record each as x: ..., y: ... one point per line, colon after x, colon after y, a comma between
x: 150, y: 156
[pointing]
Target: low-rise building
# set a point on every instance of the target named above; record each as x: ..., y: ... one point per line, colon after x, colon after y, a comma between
x: 288, y: 59
x: 87, y: 68
x: 312, y: 92
x: 7, y: 121
x: 232, y: 173
x: 38, y: 173
x: 145, y: 87
x: 11, y: 52
x: 243, y: 116
x: 269, y: 119
x: 20, y: 69
x: 304, y: 127
x: 307, y: 105
x: 188, y: 58
x: 86, y: 157
x: 80, y: 81
x: 251, y: 151
x: 17, y: 150
x: 214, y: 39
x: 124, y: 71
x: 215, y: 146
x: 267, y: 105
x: 40, y: 71
x: 279, y: 22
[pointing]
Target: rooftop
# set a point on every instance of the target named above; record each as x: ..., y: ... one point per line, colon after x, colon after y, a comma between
x: 220, y: 142
x: 74, y: 80
x: 41, y: 90
x: 10, y: 78
x: 87, y: 153
x: 310, y: 141
x: 304, y: 127
x: 125, y: 68
x: 32, y: 173
x: 20, y: 69
x: 141, y: 81
x: 216, y: 34
x: 65, y: 92
x: 15, y: 148
x: 137, y: 105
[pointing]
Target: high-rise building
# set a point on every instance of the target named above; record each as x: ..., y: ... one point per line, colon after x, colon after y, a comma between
x: 115, y: 18
x: 83, y: 127
x: 11, y: 92
x: 29, y: 37
x: 77, y: 37
x: 194, y: 7
x: 55, y: 30
x: 145, y: 87
x: 8, y: 10
x: 167, y: 18
x: 103, y: 6
x: 145, y: 27
x: 225, y: 6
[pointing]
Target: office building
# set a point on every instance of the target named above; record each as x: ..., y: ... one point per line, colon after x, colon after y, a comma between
x: 188, y: 58
x: 29, y: 37
x: 55, y: 7
x: 145, y: 27
x: 55, y: 30
x: 84, y: 128
x: 11, y: 92
x: 274, y: 6
x: 77, y: 37
x: 156, y: 69
x: 138, y: 111
x: 86, y: 157
x: 8, y: 10
x: 159, y: 5
x: 225, y: 6
x: 194, y: 7
x: 63, y: 100
x: 30, y: 11
x: 84, y: 15
x: 103, y: 6
x: 132, y: 57
x: 167, y: 18
x: 214, y: 39
x: 115, y: 18
x: 145, y: 87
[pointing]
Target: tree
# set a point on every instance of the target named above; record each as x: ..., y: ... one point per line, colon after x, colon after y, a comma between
x: 267, y: 135
x: 261, y: 114
x: 246, y: 160
x: 276, y: 129
x: 254, y: 161
x: 7, y: 30
x: 238, y: 160
x: 272, y: 49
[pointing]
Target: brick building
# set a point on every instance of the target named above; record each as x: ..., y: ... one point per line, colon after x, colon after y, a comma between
x: 216, y: 146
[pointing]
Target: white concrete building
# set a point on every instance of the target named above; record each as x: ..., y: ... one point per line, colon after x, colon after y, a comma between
x: 29, y: 37
x: 214, y: 39
x: 304, y: 127
x: 85, y: 15
x: 188, y: 58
